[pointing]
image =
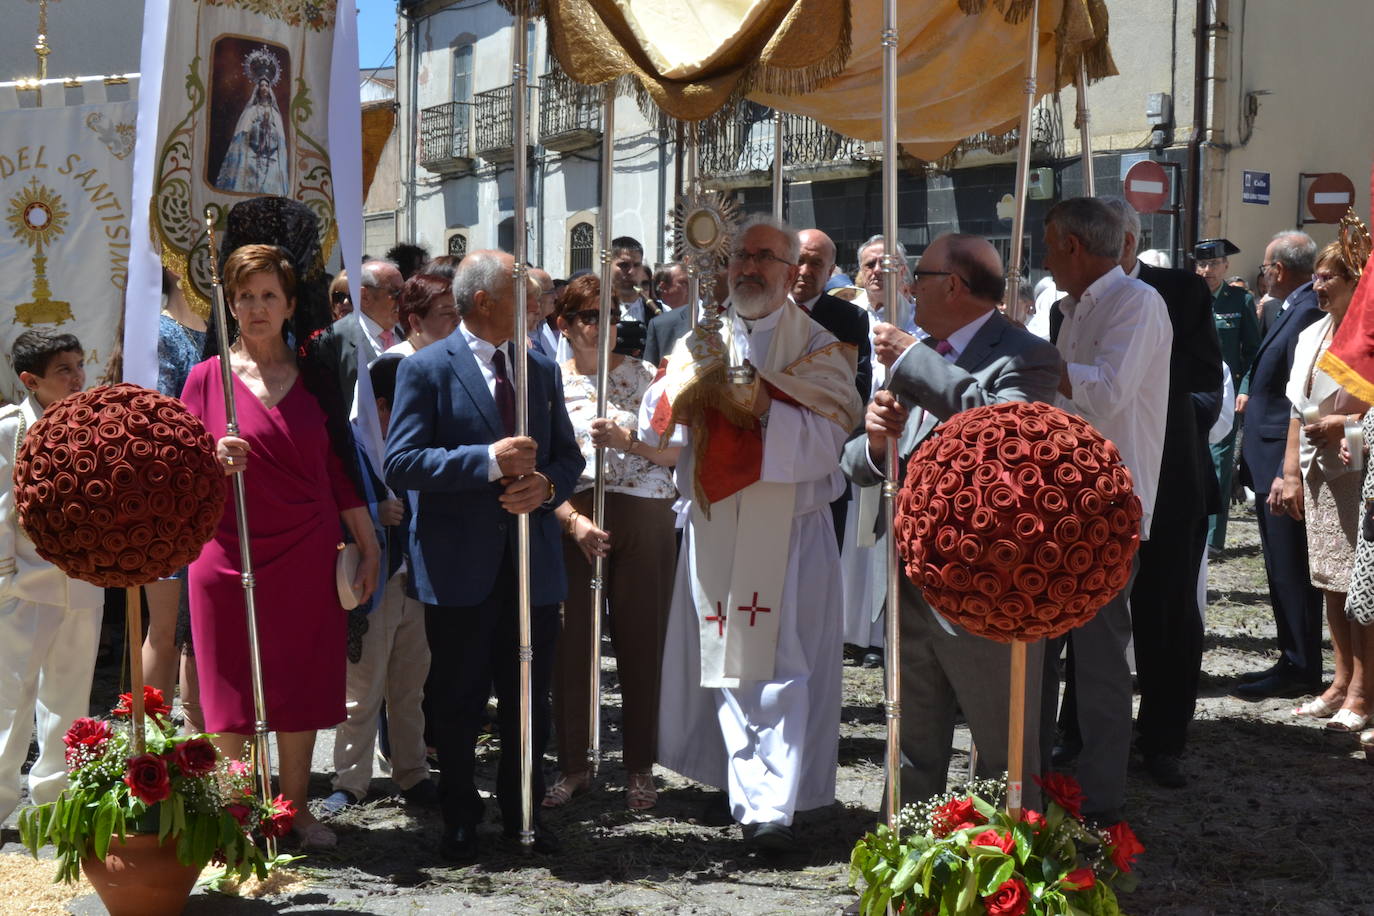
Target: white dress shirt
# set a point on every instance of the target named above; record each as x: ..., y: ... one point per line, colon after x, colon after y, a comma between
x: 1117, y: 339
x: 632, y: 311
x: 373, y: 332
x: 484, y: 351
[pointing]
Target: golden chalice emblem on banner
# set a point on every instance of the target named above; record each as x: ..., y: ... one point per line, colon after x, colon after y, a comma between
x: 38, y: 216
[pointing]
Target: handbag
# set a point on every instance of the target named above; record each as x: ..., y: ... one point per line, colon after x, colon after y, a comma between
x: 345, y: 569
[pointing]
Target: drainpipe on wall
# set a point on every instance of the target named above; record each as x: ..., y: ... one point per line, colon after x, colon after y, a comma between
x: 1208, y: 147
x: 1201, y: 24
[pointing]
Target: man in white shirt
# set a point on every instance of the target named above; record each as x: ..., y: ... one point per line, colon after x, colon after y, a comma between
x: 1115, y: 343
x: 973, y: 357
x: 366, y: 333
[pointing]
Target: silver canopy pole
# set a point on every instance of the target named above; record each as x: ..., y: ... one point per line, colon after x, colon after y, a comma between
x: 693, y: 265
x: 1023, y: 152
x: 520, y: 140
x: 262, y: 748
x: 605, y: 341
x: 1085, y: 133
x: 891, y: 268
x: 779, y: 140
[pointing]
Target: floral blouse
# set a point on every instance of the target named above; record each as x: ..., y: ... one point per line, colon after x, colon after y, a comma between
x: 632, y: 474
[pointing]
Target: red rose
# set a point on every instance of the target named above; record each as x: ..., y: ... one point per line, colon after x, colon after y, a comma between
x: 65, y: 483
x: 988, y: 584
x: 1097, y: 531
x: 1034, y: 428
x: 1029, y: 579
x: 1106, y: 487
x: 983, y: 520
x: 964, y: 461
x: 1080, y: 879
x: 1086, y: 460
x: 1050, y: 501
x: 147, y: 779
x: 950, y: 482
x: 937, y: 507
x: 1034, y: 818
x: 970, y: 549
x: 1048, y: 555
x: 1088, y: 503
x: 1124, y: 846
x: 947, y: 540
x: 196, y: 757
x: 1045, y: 454
x: 988, y: 472
x: 111, y: 432
x: 1064, y: 790
x: 1013, y: 451
x: 1119, y: 576
x: 81, y: 437
x: 1055, y: 419
x: 989, y: 436
x: 153, y: 703
x: 1001, y: 498
x: 1066, y: 475
x: 1003, y: 841
x: 85, y: 738
x: 1006, y: 553
x: 1028, y: 477
x: 1011, y: 899
x: 965, y: 501
x: 947, y: 448
x: 96, y: 491
x: 123, y: 477
x: 1068, y: 530
x: 1095, y: 581
x: 140, y: 535
x: 278, y: 821
x: 1028, y: 527
x: 83, y: 464
x: 239, y: 813
x: 1078, y: 559
x: 956, y: 576
x: 140, y: 450
x: 1120, y: 521
x: 956, y: 814
x: 1063, y: 439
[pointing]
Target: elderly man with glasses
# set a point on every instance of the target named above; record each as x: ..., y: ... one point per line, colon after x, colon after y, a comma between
x: 368, y: 332
x: 751, y: 674
x: 973, y: 357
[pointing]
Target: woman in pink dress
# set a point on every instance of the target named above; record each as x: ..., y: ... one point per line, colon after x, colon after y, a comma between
x: 298, y: 495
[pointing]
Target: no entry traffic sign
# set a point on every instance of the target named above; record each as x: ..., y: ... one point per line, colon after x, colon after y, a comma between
x: 1329, y: 196
x: 1147, y: 186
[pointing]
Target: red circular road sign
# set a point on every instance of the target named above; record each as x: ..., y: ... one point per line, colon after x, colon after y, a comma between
x: 1147, y: 186
x: 1329, y: 196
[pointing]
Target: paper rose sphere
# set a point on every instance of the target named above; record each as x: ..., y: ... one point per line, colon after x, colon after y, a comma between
x: 118, y: 486
x: 1017, y: 521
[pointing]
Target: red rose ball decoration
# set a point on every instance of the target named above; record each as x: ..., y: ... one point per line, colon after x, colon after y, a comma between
x: 1017, y: 521
x: 118, y: 486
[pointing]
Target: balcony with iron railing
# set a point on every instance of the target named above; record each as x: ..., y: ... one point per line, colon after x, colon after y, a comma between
x: 494, y: 124
x: 569, y: 112
x: 740, y: 152
x: 444, y: 134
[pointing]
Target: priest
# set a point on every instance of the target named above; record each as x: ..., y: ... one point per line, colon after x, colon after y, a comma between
x: 751, y: 677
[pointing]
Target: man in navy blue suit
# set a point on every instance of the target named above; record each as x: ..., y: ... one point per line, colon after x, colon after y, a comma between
x: 452, y: 445
x: 1288, y: 264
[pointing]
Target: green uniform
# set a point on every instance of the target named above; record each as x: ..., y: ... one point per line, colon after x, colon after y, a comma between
x: 1233, y: 310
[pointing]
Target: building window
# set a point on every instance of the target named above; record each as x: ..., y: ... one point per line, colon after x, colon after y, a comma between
x: 581, y: 248
x: 458, y: 245
x: 462, y: 74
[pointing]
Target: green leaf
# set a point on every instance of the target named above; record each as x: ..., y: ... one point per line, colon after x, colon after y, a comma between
x: 969, y: 891
x: 1051, y: 869
x: 906, y: 875
x: 164, y: 820
x: 104, y: 825
x: 995, y: 873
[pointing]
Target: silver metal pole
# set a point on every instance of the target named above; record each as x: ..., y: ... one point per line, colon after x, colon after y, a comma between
x: 892, y: 272
x: 262, y: 748
x: 779, y: 139
x: 1085, y: 132
x: 1023, y: 152
x: 520, y: 138
x: 693, y: 266
x: 604, y: 343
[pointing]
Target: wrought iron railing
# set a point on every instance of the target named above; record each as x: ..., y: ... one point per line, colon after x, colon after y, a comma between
x: 494, y: 124
x: 743, y: 144
x: 444, y: 136
x: 569, y: 112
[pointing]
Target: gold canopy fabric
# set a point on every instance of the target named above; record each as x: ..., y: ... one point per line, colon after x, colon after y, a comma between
x: 692, y: 56
x: 961, y: 64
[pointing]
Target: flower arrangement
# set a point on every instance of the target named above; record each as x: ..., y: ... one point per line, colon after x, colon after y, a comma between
x: 180, y: 788
x: 961, y: 853
x: 1017, y: 521
x: 118, y: 485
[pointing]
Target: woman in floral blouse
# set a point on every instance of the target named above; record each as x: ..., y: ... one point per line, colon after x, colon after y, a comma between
x: 638, y: 543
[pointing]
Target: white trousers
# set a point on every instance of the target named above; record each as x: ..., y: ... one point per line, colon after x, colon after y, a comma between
x: 47, y: 658
x: 393, y: 667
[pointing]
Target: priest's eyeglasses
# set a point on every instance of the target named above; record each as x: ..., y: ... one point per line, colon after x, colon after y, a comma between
x: 760, y: 258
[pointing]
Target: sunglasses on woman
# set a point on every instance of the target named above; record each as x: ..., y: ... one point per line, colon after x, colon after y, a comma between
x: 340, y: 296
x: 593, y: 317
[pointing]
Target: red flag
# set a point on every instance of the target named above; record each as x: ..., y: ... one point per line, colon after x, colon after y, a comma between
x: 1350, y: 359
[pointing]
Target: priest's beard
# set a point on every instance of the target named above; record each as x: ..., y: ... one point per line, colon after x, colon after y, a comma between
x: 752, y: 300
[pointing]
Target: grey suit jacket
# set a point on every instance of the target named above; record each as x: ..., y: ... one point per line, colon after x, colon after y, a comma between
x: 1001, y: 363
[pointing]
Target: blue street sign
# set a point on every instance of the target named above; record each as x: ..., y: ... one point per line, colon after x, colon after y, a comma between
x: 1254, y: 187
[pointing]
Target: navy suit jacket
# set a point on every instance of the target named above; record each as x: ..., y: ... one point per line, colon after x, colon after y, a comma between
x: 442, y: 420
x: 1268, y: 410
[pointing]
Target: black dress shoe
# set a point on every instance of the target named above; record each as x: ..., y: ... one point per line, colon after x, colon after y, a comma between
x: 546, y: 842
x: 459, y: 844
x: 873, y: 658
x: 1065, y: 755
x: 424, y: 794
x: 1276, y: 685
x: 1166, y: 770
x: 770, y: 837
x: 1251, y: 676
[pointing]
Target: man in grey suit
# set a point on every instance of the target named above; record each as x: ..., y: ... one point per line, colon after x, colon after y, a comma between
x: 973, y: 357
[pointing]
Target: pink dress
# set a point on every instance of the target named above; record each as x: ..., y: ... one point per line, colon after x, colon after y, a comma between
x: 296, y: 487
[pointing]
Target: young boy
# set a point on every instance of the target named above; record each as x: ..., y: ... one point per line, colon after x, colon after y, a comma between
x: 395, y: 653
x: 49, y: 623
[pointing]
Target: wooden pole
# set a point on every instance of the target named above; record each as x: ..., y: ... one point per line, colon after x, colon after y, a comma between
x: 133, y: 614
x: 1016, y: 729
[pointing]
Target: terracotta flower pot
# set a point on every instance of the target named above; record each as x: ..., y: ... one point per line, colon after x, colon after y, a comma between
x: 141, y: 878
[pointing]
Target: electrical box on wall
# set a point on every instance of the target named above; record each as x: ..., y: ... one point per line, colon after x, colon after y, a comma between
x: 1159, y: 109
x: 1040, y: 184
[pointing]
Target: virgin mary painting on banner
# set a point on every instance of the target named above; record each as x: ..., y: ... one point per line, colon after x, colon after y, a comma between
x: 256, y: 159
x: 243, y: 112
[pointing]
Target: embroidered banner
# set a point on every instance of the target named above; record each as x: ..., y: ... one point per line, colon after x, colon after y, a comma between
x: 244, y: 112
x: 65, y: 180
